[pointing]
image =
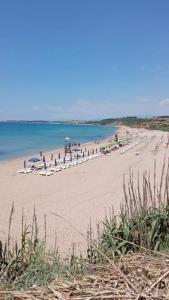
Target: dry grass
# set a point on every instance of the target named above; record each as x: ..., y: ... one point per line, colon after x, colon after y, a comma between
x: 146, y: 273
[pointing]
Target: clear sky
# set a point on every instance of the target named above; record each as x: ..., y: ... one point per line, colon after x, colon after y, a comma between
x: 83, y: 59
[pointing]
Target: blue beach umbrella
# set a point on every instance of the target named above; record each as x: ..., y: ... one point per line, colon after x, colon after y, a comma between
x: 76, y: 149
x: 34, y: 159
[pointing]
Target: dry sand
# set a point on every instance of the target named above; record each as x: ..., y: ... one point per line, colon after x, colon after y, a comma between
x: 79, y: 193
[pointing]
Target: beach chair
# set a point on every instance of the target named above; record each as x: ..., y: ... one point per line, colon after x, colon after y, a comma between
x: 25, y: 171
x: 55, y: 169
x: 45, y: 173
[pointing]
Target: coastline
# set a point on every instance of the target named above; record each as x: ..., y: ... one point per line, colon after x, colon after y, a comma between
x: 80, y: 193
x: 47, y: 149
x: 55, y: 151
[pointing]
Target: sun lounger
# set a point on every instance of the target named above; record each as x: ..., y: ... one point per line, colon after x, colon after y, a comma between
x: 40, y: 165
x: 25, y: 171
x: 62, y: 167
x: 85, y: 159
x: 80, y: 161
x: 60, y: 160
x: 54, y: 169
x: 38, y: 168
x: 49, y: 164
x: 47, y: 173
x: 72, y: 164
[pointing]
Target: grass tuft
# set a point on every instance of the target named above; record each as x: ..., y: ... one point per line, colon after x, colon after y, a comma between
x: 144, y: 215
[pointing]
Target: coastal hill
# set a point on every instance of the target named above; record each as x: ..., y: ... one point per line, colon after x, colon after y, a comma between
x: 158, y: 123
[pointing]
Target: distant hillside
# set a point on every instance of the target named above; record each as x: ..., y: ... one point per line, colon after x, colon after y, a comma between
x: 158, y: 123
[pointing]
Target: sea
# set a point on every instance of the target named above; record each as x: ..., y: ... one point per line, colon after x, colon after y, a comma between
x: 24, y: 139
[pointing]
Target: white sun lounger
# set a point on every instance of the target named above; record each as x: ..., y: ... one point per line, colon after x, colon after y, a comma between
x: 62, y: 167
x: 25, y: 171
x: 55, y: 169
x: 79, y: 161
x: 40, y: 165
x: 74, y: 163
x: 45, y: 173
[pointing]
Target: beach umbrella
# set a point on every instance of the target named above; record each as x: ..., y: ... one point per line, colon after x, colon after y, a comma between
x: 71, y: 158
x: 52, y: 156
x: 64, y: 160
x: 45, y: 165
x: 83, y: 154
x: 88, y: 153
x: 34, y: 159
x: 93, y: 151
x: 24, y: 164
x: 44, y: 159
x: 59, y: 155
x: 55, y: 163
x: 76, y: 149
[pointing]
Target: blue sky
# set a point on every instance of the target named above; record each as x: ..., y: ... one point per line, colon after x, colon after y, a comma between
x: 83, y: 59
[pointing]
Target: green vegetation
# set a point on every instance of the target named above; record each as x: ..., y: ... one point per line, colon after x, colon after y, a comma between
x: 158, y: 123
x: 128, y: 121
x: 144, y: 216
x: 28, y: 263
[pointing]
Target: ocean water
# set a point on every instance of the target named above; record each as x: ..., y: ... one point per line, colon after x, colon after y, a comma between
x: 19, y: 139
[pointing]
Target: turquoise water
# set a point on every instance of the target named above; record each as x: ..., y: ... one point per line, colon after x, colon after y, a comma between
x: 19, y: 139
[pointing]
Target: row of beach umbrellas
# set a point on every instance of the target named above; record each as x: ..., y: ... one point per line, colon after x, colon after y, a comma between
x: 36, y: 159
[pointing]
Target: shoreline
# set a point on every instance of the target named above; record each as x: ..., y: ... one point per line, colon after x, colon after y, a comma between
x: 53, y: 150
x: 79, y: 194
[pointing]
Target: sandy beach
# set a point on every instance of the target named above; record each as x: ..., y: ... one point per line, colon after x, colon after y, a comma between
x: 79, y: 193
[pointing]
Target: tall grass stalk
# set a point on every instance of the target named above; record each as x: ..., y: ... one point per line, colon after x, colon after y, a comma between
x: 144, y: 214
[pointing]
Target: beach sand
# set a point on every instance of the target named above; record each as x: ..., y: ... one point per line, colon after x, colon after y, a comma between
x: 79, y: 193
